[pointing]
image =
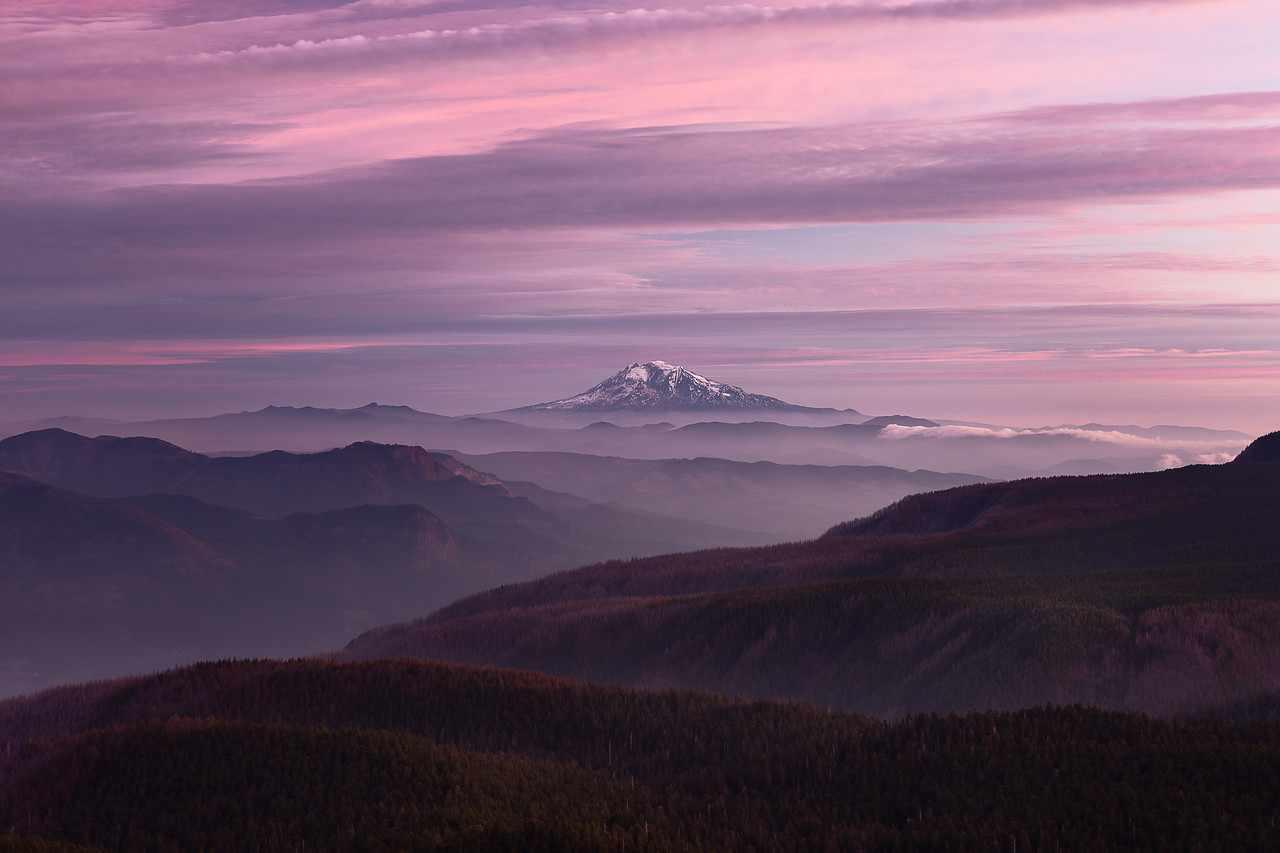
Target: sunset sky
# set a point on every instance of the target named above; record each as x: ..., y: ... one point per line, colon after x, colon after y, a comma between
x: 1017, y: 211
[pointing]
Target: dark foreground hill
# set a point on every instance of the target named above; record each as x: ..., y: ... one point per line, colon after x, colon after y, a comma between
x: 1154, y: 592
x: 402, y: 756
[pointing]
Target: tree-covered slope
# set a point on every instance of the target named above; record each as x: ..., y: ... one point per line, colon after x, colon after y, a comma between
x: 403, y: 756
x: 1158, y: 644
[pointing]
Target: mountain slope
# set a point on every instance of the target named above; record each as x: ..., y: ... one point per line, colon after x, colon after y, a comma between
x: 1051, y: 526
x: 1155, y: 592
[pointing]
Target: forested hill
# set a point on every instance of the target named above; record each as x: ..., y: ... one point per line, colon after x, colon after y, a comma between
x: 1264, y: 451
x: 1049, y: 526
x: 1155, y: 592
x: 396, y: 755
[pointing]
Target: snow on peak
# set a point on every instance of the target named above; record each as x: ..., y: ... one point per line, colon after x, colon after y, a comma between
x: 657, y: 385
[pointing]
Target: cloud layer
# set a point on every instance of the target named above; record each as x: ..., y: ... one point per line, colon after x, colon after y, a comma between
x: 202, y: 187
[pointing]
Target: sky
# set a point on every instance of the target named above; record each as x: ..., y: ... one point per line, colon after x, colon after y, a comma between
x: 1012, y: 211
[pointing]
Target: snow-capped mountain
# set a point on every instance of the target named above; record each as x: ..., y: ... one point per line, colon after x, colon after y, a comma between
x: 659, y: 386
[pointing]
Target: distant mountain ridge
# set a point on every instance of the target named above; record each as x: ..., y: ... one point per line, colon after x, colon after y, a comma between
x: 779, y: 432
x: 296, y: 428
x: 478, y: 506
x: 274, y: 484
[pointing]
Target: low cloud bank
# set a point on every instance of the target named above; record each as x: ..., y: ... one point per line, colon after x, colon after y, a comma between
x: 1211, y: 450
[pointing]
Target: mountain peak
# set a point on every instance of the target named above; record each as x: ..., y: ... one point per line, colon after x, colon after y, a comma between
x: 657, y: 386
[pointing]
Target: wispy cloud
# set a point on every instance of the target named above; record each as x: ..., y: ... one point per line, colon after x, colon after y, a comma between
x: 562, y: 31
x: 679, y: 177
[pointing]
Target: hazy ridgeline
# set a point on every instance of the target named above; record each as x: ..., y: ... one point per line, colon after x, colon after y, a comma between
x: 840, y: 439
